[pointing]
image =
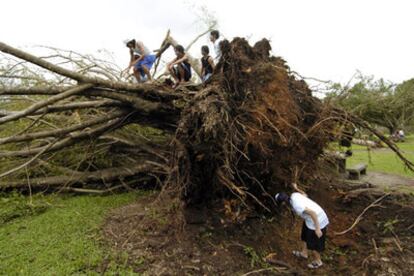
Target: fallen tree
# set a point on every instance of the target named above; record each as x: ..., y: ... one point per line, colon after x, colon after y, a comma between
x: 253, y: 129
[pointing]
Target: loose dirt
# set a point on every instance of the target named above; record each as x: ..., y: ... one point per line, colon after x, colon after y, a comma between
x: 382, y: 242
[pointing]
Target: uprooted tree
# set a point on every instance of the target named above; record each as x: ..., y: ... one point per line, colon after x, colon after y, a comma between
x: 80, y: 127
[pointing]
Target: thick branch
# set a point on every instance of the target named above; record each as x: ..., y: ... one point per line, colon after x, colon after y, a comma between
x: 34, y: 90
x: 106, y: 175
x: 71, y: 106
x: 144, y: 106
x: 361, y: 123
x: 143, y: 90
x: 68, y: 141
x: 30, y: 110
x: 62, y: 131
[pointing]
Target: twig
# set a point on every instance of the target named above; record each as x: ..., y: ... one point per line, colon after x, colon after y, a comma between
x: 359, y: 218
x: 161, y: 51
x: 375, y: 246
x: 261, y: 270
x: 90, y: 191
x: 398, y: 244
x: 397, y: 241
x: 198, y: 37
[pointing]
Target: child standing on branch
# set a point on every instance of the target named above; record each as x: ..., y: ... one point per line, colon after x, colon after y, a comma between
x: 314, y: 225
x: 141, y: 59
x: 180, y: 68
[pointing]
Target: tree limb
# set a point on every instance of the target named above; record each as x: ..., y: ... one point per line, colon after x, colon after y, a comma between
x: 105, y: 175
x: 39, y: 105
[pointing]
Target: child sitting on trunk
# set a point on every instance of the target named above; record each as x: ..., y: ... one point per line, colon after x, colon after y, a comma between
x: 180, y: 68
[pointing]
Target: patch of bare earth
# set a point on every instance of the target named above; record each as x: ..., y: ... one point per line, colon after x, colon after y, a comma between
x: 381, y: 243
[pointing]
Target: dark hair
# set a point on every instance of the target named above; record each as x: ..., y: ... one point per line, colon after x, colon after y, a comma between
x: 179, y: 49
x: 205, y: 49
x: 281, y: 197
x: 215, y: 33
x: 133, y: 42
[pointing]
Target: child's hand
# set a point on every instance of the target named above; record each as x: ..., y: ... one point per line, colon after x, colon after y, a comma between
x: 318, y: 233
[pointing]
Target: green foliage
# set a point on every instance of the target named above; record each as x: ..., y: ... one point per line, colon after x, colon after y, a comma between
x: 388, y: 226
x: 15, y: 205
x: 255, y: 258
x: 377, y: 101
x: 63, y: 239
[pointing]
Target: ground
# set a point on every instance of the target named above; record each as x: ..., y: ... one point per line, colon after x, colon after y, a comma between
x: 122, y: 234
x: 56, y: 234
x: 209, y: 245
x: 383, y: 159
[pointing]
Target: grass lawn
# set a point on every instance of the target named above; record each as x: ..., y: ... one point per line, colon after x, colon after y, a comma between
x: 384, y: 160
x: 57, y: 235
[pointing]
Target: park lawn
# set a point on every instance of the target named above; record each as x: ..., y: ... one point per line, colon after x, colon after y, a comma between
x: 384, y: 160
x: 57, y: 235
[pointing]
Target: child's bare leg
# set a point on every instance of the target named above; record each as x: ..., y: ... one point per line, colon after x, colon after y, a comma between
x: 181, y: 73
x: 317, y: 257
x: 147, y: 72
x: 172, y: 72
x: 137, y: 75
x: 304, y: 251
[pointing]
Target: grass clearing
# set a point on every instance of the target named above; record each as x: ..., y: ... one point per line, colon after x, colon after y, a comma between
x: 384, y: 160
x: 57, y: 235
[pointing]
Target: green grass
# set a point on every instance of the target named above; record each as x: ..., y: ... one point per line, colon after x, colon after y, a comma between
x: 57, y: 235
x: 384, y: 160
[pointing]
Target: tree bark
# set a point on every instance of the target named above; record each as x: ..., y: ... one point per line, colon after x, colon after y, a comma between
x: 106, y: 175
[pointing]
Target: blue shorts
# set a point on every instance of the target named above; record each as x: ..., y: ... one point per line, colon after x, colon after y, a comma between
x: 147, y: 61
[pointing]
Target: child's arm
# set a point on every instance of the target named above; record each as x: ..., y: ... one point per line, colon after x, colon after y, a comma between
x: 184, y: 58
x: 132, y: 60
x: 171, y: 63
x: 297, y: 189
x: 211, y: 62
x: 314, y: 217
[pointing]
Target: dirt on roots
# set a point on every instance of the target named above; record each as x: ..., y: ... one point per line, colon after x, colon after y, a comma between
x: 243, y: 136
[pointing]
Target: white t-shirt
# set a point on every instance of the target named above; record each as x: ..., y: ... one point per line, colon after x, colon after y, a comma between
x: 137, y: 50
x: 300, y: 202
x: 217, y: 50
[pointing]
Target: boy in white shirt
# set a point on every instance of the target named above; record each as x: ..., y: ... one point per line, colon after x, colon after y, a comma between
x: 314, y: 225
x: 216, y: 39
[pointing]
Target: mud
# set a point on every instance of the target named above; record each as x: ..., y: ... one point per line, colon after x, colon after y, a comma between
x: 211, y: 243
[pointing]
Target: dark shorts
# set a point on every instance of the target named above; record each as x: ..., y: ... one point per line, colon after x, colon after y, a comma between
x: 312, y: 241
x: 187, y: 72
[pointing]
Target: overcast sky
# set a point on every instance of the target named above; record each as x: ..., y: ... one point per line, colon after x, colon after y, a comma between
x: 325, y: 39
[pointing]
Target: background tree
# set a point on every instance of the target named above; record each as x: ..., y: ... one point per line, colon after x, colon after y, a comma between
x: 377, y: 101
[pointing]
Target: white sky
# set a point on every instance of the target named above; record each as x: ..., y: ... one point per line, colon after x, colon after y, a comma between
x: 325, y: 39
